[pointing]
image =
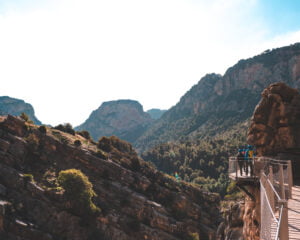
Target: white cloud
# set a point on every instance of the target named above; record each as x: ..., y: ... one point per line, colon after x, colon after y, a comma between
x: 66, y: 57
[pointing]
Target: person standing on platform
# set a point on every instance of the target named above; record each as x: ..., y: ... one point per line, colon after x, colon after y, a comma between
x: 241, y: 159
x: 249, y: 160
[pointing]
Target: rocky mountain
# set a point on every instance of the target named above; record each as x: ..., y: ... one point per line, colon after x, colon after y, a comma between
x: 218, y: 103
x: 156, y: 113
x: 123, y: 118
x: 128, y: 199
x: 15, y: 107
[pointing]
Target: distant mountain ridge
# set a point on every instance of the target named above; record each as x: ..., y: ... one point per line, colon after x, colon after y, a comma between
x: 123, y: 118
x: 156, y: 113
x: 15, y: 107
x: 218, y: 103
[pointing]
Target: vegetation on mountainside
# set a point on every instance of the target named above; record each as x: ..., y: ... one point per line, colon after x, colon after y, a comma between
x: 224, y: 113
x: 25, y: 117
x: 118, y: 148
x: 204, y: 161
x: 43, y: 129
x: 78, y: 190
x: 131, y: 191
x: 67, y: 127
x: 84, y: 134
x: 77, y: 143
x: 194, y: 236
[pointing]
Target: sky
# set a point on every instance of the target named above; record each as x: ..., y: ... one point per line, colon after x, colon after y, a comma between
x: 66, y: 57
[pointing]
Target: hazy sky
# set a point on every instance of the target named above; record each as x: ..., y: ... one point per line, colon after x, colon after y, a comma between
x: 66, y: 57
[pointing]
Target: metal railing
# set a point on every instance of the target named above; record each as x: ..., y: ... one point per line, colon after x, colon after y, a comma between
x: 276, y: 181
x: 242, y: 168
x: 272, y: 227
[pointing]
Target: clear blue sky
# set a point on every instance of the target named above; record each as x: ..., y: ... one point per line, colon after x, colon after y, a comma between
x: 280, y: 16
x: 66, y: 57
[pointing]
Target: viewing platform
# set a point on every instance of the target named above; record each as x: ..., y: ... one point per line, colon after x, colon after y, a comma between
x: 243, y: 170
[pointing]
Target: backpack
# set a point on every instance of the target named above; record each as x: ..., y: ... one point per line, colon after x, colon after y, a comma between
x: 250, y: 153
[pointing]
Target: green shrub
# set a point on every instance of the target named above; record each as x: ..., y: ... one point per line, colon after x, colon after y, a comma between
x: 84, y: 134
x: 77, y: 143
x: 101, y: 154
x: 104, y: 144
x: 194, y: 236
x: 78, y: 190
x: 67, y: 127
x: 43, y: 129
x: 28, y: 177
x: 25, y: 117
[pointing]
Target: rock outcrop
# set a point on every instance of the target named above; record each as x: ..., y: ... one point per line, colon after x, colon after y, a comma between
x: 232, y: 226
x: 15, y: 107
x: 122, y: 118
x: 275, y: 125
x: 136, y: 201
x: 241, y: 221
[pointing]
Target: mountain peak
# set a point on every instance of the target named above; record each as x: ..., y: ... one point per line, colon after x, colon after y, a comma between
x: 123, y: 102
x: 123, y: 118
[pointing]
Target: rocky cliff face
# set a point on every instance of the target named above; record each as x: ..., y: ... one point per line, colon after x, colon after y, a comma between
x: 232, y: 226
x: 136, y: 201
x: 217, y: 103
x: 242, y: 220
x: 123, y: 118
x: 15, y: 107
x: 275, y: 125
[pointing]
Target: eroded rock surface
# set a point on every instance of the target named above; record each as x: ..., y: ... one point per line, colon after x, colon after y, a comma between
x: 275, y: 125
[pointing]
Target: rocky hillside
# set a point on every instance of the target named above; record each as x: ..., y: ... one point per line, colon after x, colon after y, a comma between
x: 217, y: 103
x: 15, y: 107
x: 156, y: 113
x: 133, y: 200
x: 123, y: 118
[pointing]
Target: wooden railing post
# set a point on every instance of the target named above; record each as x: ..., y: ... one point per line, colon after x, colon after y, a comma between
x: 272, y: 194
x: 281, y: 182
x: 290, y: 177
x: 284, y: 227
